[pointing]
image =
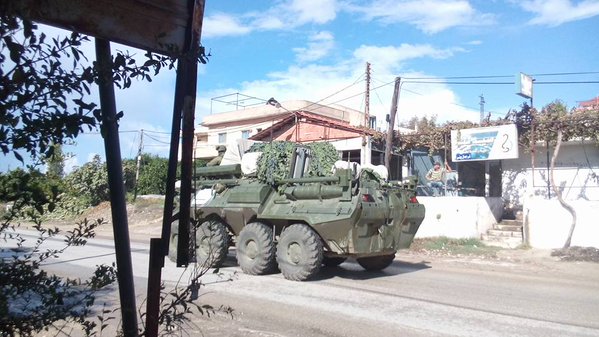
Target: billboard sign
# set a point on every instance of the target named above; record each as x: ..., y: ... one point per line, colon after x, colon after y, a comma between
x: 488, y: 143
x: 524, y: 85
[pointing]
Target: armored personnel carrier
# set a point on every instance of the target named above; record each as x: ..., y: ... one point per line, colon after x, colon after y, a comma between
x: 301, y: 222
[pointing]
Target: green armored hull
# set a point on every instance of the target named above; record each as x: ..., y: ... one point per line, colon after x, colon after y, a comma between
x: 298, y: 224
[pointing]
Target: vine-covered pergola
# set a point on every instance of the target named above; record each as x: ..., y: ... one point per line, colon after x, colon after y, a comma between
x: 533, y: 126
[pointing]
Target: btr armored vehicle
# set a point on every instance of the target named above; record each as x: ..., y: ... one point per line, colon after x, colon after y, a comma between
x: 300, y: 222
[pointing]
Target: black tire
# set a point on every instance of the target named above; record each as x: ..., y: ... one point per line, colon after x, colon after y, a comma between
x: 375, y: 263
x: 212, y: 244
x: 256, y: 249
x: 299, y: 252
x: 333, y: 261
x: 172, y: 245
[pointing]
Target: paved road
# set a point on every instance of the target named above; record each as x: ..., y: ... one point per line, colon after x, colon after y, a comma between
x: 416, y: 296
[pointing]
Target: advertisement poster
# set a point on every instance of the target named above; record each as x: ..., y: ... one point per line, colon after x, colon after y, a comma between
x: 488, y: 143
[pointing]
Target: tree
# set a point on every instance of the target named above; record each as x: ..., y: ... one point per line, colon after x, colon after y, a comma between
x: 152, y: 175
x: 90, y: 182
x: 44, y: 102
x: 55, y: 163
x: 554, y: 111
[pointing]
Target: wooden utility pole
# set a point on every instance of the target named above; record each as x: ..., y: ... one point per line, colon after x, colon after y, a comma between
x: 389, y: 142
x: 367, y: 97
x: 138, y: 167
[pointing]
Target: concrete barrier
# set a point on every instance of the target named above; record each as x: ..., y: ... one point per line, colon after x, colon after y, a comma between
x: 459, y: 217
x: 549, y: 223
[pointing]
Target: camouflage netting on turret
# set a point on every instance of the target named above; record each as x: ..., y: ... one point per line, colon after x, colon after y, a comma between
x: 275, y: 161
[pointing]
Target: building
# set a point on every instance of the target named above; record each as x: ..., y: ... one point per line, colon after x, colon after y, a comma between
x: 591, y: 104
x: 298, y: 121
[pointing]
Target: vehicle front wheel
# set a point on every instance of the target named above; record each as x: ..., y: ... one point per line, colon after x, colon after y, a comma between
x: 256, y: 249
x: 374, y: 263
x: 299, y: 252
x: 212, y: 244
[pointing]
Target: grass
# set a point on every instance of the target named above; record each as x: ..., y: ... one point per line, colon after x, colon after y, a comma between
x: 454, y: 247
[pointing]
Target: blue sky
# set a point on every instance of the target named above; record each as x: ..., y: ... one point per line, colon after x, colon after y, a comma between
x: 312, y: 49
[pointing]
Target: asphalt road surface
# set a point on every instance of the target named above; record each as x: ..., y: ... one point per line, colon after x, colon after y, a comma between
x: 418, y: 295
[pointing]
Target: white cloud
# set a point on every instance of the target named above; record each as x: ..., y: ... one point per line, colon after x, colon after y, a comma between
x: 344, y: 83
x: 319, y: 46
x: 430, y: 16
x: 221, y: 24
x: 285, y: 15
x: 393, y: 57
x: 557, y: 12
x: 313, y: 11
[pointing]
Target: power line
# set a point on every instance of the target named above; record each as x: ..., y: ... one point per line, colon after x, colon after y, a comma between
x: 160, y: 132
x: 156, y: 139
x: 502, y: 83
x: 499, y: 76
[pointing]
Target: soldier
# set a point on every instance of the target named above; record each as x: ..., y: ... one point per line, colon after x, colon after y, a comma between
x: 216, y: 160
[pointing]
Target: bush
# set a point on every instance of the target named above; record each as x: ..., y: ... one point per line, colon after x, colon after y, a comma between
x: 89, y: 182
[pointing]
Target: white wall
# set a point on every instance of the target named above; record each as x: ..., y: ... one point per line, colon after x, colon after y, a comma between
x: 459, y: 217
x: 549, y: 223
x: 575, y: 166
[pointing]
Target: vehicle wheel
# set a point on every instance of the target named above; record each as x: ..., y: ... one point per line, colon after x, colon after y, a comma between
x: 374, y: 263
x: 172, y: 245
x: 212, y: 244
x: 299, y: 252
x: 333, y: 261
x: 256, y: 249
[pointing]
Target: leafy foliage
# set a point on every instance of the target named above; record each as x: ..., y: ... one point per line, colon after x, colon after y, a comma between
x: 55, y: 163
x: 42, y: 88
x: 89, y: 182
x: 275, y: 162
x: 45, y: 85
x: 152, y: 175
x: 44, y: 102
x: 38, y: 299
x: 29, y: 193
x: 574, y: 124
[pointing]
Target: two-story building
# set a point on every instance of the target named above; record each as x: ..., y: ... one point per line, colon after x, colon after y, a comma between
x: 299, y: 121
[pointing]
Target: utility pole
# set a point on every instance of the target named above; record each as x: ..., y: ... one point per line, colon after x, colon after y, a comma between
x: 139, y: 150
x: 482, y: 109
x: 364, y: 156
x: 389, y: 142
x: 367, y: 97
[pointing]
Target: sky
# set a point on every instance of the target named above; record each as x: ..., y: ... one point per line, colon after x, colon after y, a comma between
x: 317, y: 50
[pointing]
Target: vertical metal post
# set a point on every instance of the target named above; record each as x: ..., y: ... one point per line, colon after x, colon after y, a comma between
x: 154, y: 278
x: 183, y: 114
x: 110, y: 132
x: 482, y: 109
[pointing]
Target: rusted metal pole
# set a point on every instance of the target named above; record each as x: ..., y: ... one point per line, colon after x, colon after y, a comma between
x: 183, y: 115
x: 110, y: 132
x: 389, y: 142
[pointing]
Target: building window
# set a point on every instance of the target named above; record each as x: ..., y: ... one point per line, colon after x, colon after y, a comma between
x: 222, y: 138
x: 372, y: 122
x: 245, y: 134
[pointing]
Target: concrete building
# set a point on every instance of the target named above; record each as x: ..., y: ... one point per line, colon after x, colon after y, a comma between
x: 298, y: 121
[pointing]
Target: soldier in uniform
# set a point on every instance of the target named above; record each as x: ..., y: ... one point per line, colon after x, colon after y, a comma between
x: 216, y: 160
